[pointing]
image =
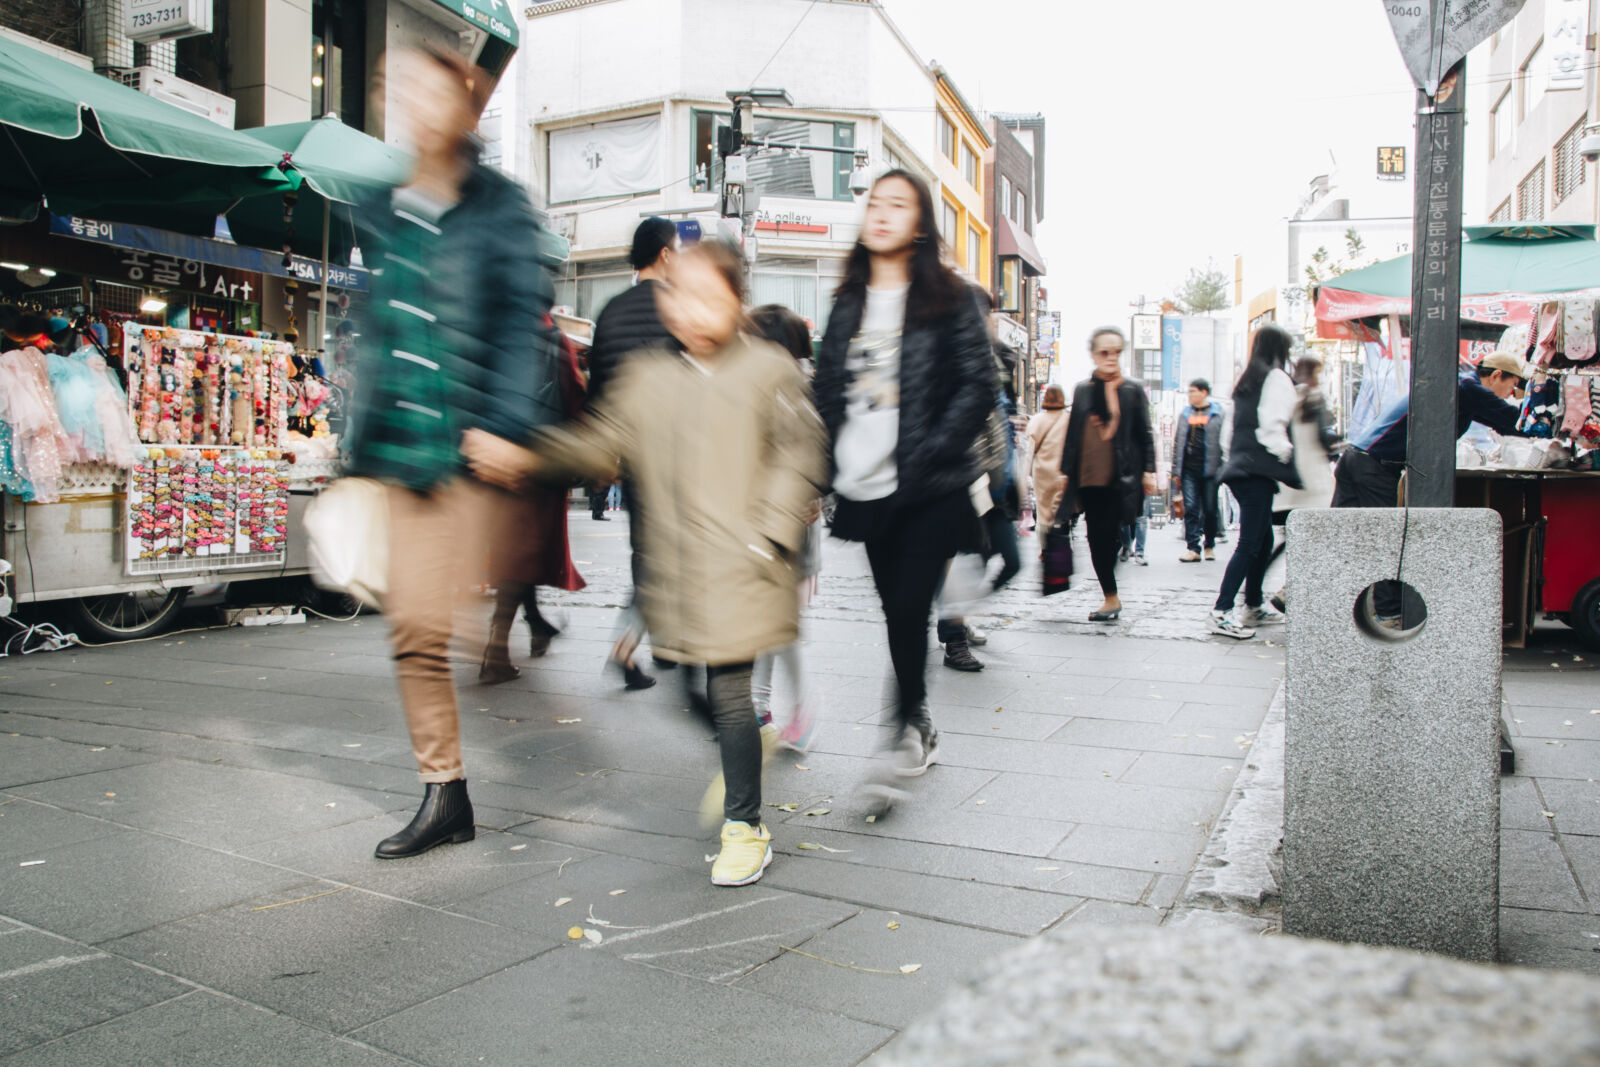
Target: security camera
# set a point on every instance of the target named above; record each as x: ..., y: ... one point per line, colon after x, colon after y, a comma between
x: 1589, y: 147
x: 860, y: 178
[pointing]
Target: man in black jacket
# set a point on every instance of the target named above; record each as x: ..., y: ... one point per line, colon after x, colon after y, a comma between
x: 629, y: 324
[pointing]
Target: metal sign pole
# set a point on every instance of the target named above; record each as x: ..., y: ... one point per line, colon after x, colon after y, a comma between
x: 1436, y: 293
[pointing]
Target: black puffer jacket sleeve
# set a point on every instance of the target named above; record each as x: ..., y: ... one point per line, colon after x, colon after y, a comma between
x: 521, y: 347
x: 973, y: 380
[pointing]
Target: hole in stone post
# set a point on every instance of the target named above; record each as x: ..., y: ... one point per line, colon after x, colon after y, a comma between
x: 1390, y: 611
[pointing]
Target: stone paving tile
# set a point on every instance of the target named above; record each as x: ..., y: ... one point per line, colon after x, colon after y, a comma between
x: 1031, y: 757
x: 203, y: 1028
x: 27, y: 761
x: 912, y: 820
x: 986, y: 722
x: 1104, y: 802
x: 1234, y: 719
x: 1558, y: 759
x: 1187, y: 772
x: 1107, y: 913
x: 1229, y: 696
x: 664, y: 916
x: 333, y: 957
x: 52, y: 987
x: 1155, y: 851
x: 1577, y: 693
x: 1534, y: 873
x: 1123, y: 708
x: 1559, y: 723
x: 1269, y: 677
x: 27, y: 826
x: 1150, y: 737
x: 440, y: 878
x: 224, y: 807
x: 1145, y: 670
x: 110, y: 886
x: 1538, y: 938
x: 568, y: 1007
x: 1001, y: 908
x: 946, y: 954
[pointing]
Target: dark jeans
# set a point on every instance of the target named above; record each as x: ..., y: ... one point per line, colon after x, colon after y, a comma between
x: 907, y: 571
x: 1003, y: 543
x: 1361, y: 481
x: 1248, y: 564
x: 597, y: 501
x: 1102, y: 518
x: 726, y: 702
x: 1199, y: 510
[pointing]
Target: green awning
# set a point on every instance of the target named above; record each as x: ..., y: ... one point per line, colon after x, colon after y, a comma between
x: 336, y: 166
x: 93, y: 147
x: 1528, y: 258
x: 496, y: 20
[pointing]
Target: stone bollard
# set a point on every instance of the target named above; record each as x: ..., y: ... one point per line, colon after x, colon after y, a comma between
x: 1141, y: 997
x: 1391, y: 829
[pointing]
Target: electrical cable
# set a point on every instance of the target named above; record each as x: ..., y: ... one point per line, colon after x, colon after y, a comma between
x: 784, y: 43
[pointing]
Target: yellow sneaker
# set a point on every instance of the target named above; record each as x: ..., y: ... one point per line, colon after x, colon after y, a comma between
x: 746, y: 851
x: 711, y: 802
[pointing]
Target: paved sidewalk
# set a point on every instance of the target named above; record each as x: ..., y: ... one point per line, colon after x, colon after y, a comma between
x: 186, y: 828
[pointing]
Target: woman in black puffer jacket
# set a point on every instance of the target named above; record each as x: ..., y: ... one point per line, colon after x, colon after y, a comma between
x: 904, y: 383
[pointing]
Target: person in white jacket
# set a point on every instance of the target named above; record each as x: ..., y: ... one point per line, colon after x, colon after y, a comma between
x: 1260, y: 458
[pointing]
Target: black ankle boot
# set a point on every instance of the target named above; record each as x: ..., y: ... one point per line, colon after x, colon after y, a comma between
x: 445, y: 816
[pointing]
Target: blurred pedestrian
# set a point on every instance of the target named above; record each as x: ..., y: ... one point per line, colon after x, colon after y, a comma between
x: 1048, y: 432
x: 904, y: 382
x: 1108, y: 460
x: 788, y: 330
x: 631, y: 323
x: 1197, y: 447
x: 724, y: 451
x: 458, y: 343
x: 529, y: 548
x: 1315, y: 441
x: 1260, y: 458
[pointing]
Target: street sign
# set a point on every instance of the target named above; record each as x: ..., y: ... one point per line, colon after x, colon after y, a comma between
x: 1566, y: 28
x: 1392, y: 163
x: 1434, y: 34
x: 147, y: 21
x: 1146, y: 332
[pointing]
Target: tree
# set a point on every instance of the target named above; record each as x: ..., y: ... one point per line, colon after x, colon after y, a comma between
x: 1204, y: 290
x: 1324, y: 267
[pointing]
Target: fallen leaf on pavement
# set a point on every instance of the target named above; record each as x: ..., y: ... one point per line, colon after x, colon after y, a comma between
x: 1548, y: 814
x: 563, y: 902
x: 564, y: 722
x: 617, y: 892
x: 518, y: 848
x: 849, y: 966
x: 910, y: 968
x: 801, y: 767
x: 111, y: 794
x: 894, y: 926
x: 576, y: 933
x: 30, y: 863
x: 1047, y: 868
x: 594, y: 935
x: 819, y: 811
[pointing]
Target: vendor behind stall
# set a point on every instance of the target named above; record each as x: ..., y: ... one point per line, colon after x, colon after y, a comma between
x: 1368, y: 475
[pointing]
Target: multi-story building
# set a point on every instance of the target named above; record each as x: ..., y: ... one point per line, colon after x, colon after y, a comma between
x: 1540, y: 72
x: 1013, y: 177
x: 963, y: 140
x: 616, y: 112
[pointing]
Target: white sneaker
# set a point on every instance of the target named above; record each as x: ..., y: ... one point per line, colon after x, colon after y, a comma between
x: 1224, y: 624
x: 1138, y: 558
x: 1260, y: 616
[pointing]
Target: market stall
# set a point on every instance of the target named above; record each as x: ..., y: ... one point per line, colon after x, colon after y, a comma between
x: 1532, y: 291
x: 197, y: 474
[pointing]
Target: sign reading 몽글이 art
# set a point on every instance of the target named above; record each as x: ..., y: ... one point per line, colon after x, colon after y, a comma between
x: 1434, y: 34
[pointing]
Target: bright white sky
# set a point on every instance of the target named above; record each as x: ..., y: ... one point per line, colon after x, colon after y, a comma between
x: 1178, y: 131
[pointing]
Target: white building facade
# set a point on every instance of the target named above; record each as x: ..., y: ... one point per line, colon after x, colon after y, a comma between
x: 610, y: 115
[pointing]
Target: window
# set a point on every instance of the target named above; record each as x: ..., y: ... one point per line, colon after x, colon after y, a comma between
x: 969, y: 164
x: 1005, y: 195
x: 1022, y: 211
x: 949, y: 220
x: 776, y: 172
x: 1530, y: 195
x: 974, y: 254
x: 1152, y: 368
x: 947, y: 138
x: 1534, y: 78
x: 1503, y: 212
x: 1501, y: 124
x: 1011, y: 284
x: 1570, y: 169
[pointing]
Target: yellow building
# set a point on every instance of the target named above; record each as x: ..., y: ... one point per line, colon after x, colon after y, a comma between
x: 961, y: 142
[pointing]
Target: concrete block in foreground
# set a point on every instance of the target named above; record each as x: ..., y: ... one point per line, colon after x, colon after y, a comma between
x: 1391, y: 789
x: 1136, y: 997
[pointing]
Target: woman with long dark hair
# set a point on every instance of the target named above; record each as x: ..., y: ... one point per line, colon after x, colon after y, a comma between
x: 1108, y: 460
x: 1260, y: 458
x: 904, y: 384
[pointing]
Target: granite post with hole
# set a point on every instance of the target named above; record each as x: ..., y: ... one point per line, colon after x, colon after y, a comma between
x: 1392, y: 799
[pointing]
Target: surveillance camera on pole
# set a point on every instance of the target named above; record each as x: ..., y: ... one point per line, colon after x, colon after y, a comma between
x: 1589, y: 147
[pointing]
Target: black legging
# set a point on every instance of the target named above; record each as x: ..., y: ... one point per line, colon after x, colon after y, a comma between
x: 907, y: 570
x: 1102, y: 517
x: 1248, y: 564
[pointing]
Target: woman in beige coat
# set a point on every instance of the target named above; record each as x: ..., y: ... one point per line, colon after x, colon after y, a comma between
x: 1048, y: 432
x: 726, y: 455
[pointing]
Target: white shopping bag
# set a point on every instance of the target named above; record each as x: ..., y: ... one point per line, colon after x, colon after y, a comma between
x: 348, y: 528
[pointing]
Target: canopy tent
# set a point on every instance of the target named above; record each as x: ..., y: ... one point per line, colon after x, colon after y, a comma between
x: 335, y: 167
x: 1506, y: 272
x: 89, y: 146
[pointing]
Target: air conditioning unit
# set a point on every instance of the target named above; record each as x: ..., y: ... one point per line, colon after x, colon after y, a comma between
x: 195, y: 99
